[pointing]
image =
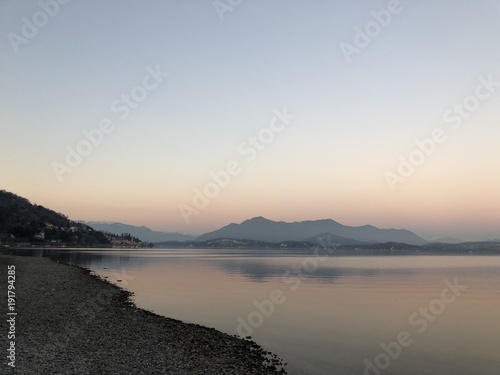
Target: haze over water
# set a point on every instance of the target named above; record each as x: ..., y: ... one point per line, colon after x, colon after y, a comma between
x: 333, y: 317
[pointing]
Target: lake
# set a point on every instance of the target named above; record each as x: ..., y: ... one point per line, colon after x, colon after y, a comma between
x: 321, y: 312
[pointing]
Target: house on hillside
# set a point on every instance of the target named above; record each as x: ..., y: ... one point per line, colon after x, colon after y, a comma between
x: 40, y: 236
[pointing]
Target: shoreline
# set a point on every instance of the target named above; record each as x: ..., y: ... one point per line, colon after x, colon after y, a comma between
x: 72, y: 321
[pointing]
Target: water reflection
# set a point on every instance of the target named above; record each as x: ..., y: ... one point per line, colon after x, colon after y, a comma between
x: 261, y: 266
x: 339, y: 313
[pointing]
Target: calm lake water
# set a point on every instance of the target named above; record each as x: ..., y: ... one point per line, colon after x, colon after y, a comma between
x: 325, y: 314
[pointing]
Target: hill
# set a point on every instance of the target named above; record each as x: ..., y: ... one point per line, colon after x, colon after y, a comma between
x: 24, y: 223
x: 262, y: 229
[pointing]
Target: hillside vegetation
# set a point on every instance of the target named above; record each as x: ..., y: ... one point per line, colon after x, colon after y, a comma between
x: 22, y: 222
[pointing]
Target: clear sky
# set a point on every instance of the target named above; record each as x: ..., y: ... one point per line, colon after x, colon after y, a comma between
x: 358, y: 89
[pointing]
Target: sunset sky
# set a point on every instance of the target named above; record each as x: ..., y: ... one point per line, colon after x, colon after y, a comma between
x: 171, y: 91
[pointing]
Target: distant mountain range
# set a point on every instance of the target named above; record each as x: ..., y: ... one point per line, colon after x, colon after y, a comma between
x: 262, y: 229
x: 144, y: 233
x: 24, y: 223
x: 267, y: 231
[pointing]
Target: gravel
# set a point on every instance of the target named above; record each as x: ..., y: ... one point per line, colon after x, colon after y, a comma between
x: 72, y: 322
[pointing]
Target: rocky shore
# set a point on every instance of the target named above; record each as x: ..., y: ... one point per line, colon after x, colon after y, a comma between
x: 71, y: 322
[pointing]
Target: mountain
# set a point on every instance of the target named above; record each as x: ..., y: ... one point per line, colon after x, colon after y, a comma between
x: 142, y: 232
x: 262, y: 229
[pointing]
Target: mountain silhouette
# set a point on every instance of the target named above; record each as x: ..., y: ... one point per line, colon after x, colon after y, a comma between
x: 142, y: 232
x: 262, y: 229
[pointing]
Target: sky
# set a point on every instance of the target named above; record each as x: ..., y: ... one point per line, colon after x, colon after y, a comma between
x: 189, y: 115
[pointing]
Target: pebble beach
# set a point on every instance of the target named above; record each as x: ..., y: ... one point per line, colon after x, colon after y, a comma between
x: 70, y: 321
